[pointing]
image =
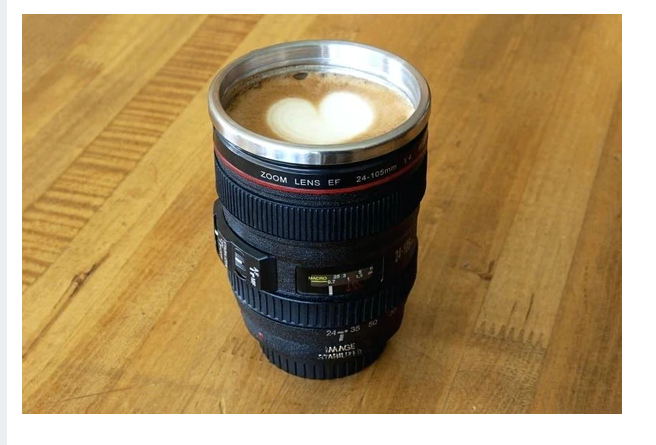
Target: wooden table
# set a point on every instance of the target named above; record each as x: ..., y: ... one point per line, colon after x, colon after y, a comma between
x: 517, y: 305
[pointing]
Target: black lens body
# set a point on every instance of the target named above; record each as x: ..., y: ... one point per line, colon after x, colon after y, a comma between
x: 321, y: 258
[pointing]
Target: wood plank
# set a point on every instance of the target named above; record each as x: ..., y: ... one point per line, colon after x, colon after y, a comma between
x: 80, y: 95
x: 583, y: 368
x: 95, y: 173
x: 49, y: 38
x: 110, y: 37
x: 528, y: 276
x: 155, y: 183
x: 537, y: 254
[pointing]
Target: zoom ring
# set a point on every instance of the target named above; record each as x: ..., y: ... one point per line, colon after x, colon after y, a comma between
x: 314, y: 369
x: 322, y: 224
x: 326, y: 314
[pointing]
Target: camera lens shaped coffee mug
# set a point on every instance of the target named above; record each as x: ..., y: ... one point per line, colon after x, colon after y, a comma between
x: 320, y: 160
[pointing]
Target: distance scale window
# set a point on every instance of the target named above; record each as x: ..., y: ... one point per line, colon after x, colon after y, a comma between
x: 337, y: 281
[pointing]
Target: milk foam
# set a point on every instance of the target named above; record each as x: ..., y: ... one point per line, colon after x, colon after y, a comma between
x: 318, y: 108
x: 340, y: 117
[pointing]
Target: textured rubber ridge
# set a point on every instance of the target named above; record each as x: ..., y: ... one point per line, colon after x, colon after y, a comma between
x: 335, y: 313
x: 322, y: 370
x: 322, y: 224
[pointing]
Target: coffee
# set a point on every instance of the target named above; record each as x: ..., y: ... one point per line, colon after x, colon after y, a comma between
x: 318, y: 108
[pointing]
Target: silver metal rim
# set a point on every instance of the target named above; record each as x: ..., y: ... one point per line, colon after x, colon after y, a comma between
x: 334, y: 55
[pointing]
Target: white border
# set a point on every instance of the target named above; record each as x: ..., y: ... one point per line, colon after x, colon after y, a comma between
x: 3, y: 219
x: 639, y: 218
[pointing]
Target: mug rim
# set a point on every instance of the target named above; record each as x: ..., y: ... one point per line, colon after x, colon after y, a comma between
x: 329, y: 55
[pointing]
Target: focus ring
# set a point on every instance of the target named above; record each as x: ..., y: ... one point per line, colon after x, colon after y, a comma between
x: 322, y: 224
x: 326, y: 314
x: 315, y: 369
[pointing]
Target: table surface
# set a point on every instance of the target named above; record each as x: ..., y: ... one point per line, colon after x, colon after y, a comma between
x: 517, y: 304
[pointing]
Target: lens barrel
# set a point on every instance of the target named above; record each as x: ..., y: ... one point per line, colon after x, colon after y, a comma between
x: 320, y: 242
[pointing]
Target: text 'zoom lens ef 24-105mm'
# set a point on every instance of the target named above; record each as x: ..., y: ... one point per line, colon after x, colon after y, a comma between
x: 320, y: 160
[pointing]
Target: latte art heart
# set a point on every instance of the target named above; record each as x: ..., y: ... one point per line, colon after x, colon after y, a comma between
x: 338, y: 118
x: 318, y: 108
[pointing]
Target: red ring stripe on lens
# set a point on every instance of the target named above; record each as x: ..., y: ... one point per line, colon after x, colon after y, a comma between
x: 317, y: 191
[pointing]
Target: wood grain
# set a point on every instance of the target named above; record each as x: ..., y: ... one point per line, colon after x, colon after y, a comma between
x: 517, y: 304
x: 583, y: 370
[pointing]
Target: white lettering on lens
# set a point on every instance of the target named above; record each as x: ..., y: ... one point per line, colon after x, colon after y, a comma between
x: 268, y: 176
x: 335, y: 352
x: 307, y: 182
x: 340, y: 348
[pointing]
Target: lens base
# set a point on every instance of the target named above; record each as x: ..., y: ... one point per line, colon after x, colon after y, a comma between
x: 321, y: 353
x: 322, y: 370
